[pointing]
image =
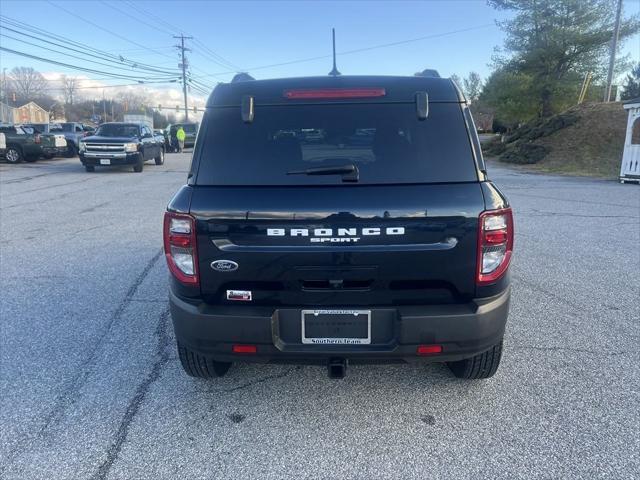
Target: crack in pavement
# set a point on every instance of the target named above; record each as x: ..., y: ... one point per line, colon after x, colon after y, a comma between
x: 120, y: 437
x: 262, y: 380
x: 47, y: 187
x: 64, y: 398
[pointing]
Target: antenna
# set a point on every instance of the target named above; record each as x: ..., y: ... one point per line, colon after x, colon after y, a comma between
x: 334, y: 72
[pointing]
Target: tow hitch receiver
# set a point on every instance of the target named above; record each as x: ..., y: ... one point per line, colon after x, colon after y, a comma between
x: 337, y: 368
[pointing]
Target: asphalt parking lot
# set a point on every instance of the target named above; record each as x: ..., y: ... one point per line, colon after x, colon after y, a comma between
x: 90, y: 386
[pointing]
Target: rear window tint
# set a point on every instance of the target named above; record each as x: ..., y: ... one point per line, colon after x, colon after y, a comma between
x: 387, y: 143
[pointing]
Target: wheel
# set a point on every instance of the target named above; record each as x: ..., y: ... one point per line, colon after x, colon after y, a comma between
x: 138, y: 166
x: 198, y: 366
x: 72, y: 151
x: 14, y: 154
x: 483, y: 365
x: 160, y: 158
x: 90, y: 168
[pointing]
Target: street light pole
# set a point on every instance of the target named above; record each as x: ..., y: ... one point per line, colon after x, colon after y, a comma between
x: 612, y: 57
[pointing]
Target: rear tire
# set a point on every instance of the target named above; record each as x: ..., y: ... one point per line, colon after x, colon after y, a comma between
x: 201, y: 367
x: 483, y: 365
x: 90, y: 168
x: 160, y: 158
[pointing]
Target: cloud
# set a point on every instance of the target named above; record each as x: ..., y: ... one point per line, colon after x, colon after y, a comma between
x: 88, y: 88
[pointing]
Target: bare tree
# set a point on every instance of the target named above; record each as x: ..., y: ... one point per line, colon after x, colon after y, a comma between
x: 27, y: 83
x: 133, y: 101
x: 69, y: 88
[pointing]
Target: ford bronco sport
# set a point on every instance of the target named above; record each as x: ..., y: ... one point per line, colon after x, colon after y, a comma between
x: 336, y: 220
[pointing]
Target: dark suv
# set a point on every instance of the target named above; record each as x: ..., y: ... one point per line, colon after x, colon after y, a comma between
x: 330, y: 220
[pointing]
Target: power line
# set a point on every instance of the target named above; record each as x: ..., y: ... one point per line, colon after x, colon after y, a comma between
x: 144, y: 22
x: 358, y: 50
x: 84, y: 48
x: 216, y: 57
x: 101, y: 27
x: 206, y: 53
x: 77, y: 57
x: 73, y: 67
x: 139, y: 84
x: 141, y: 10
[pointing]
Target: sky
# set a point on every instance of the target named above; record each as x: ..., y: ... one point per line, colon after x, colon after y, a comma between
x: 461, y: 37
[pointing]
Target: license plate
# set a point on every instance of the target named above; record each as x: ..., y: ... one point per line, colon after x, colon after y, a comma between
x: 336, y: 327
x: 105, y: 161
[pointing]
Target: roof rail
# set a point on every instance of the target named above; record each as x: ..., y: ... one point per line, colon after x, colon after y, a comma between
x: 241, y: 77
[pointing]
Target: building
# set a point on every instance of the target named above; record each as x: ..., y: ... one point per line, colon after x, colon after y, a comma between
x: 30, y: 113
x: 6, y: 113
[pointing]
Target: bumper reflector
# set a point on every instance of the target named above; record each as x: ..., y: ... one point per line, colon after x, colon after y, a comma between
x: 429, y: 349
x: 246, y: 349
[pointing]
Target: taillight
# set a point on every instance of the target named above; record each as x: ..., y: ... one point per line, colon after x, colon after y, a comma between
x: 495, y: 245
x: 37, y: 138
x: 327, y: 93
x: 180, y: 247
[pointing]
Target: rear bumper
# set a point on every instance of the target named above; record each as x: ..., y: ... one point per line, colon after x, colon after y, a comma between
x: 114, y: 159
x: 462, y: 330
x: 54, y: 150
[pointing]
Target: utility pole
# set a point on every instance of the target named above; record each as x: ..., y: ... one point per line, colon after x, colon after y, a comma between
x: 612, y: 57
x: 104, y: 107
x: 183, y: 65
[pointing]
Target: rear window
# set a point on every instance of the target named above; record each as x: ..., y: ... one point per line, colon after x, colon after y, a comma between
x: 387, y: 143
x: 61, y: 127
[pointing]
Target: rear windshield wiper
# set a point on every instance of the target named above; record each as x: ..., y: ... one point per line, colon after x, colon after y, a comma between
x: 350, y: 173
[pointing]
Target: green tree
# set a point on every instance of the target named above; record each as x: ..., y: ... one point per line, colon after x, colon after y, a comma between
x: 553, y: 42
x: 508, y: 94
x: 631, y: 87
x: 472, y: 86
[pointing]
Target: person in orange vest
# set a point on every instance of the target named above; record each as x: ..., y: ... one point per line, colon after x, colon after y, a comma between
x: 180, y: 135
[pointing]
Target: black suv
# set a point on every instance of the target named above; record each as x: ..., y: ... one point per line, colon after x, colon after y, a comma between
x: 115, y: 144
x: 329, y: 220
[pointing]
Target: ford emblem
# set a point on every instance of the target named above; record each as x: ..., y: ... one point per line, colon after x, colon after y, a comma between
x: 224, y: 266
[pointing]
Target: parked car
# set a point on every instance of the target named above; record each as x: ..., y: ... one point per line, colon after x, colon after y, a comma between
x: 190, y: 130
x: 25, y: 144
x: 379, y: 239
x: 119, y: 143
x: 158, y: 134
x: 59, y: 141
x: 73, y: 132
x: 3, y: 145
